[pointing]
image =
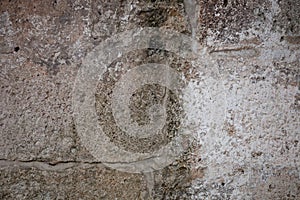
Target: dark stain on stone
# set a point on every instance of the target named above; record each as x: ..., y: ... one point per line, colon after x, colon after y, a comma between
x: 171, y: 188
x: 288, y: 20
x: 153, y: 17
x: 220, y: 18
x: 241, y: 170
x: 231, y: 130
x: 174, y: 180
x: 256, y: 154
x: 288, y: 74
x: 293, y: 39
x: 255, y: 79
x: 297, y: 101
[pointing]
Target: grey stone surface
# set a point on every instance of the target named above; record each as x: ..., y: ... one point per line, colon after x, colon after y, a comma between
x: 241, y: 110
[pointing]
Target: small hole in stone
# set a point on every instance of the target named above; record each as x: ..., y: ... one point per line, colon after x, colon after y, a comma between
x: 281, y: 38
x: 225, y: 2
x: 16, y: 49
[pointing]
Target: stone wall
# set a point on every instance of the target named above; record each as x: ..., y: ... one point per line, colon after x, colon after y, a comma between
x: 238, y: 103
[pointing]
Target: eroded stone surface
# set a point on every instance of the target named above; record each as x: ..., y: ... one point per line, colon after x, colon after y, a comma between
x: 243, y: 114
x: 83, y: 181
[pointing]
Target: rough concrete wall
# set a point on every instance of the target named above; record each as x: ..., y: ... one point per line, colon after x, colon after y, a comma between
x: 240, y: 104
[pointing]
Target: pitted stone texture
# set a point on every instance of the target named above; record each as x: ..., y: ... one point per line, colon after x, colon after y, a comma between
x: 45, y: 38
x: 261, y: 129
x: 81, y: 182
x: 224, y: 20
x: 111, y: 17
x: 142, y: 99
x: 287, y: 20
x: 252, y: 153
x: 36, y: 117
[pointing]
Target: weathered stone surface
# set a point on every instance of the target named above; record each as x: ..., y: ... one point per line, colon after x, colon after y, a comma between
x: 242, y: 110
x: 75, y: 181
